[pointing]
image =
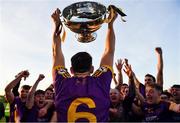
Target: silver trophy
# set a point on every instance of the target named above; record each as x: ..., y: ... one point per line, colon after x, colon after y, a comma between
x: 84, y: 18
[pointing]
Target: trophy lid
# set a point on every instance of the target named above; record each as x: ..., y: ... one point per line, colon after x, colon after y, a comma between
x: 84, y: 11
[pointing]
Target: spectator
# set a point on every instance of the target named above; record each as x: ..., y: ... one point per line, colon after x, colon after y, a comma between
x: 121, y: 103
x: 150, y: 78
x: 116, y: 111
x: 155, y: 110
x: 37, y: 107
x: 175, y: 91
x: 19, y: 100
x: 49, y: 94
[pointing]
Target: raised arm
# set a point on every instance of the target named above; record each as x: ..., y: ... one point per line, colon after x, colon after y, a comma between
x: 8, y: 90
x: 58, y: 57
x: 129, y: 73
x: 159, y: 66
x: 136, y: 81
x: 108, y: 56
x: 119, y: 65
x: 30, y: 98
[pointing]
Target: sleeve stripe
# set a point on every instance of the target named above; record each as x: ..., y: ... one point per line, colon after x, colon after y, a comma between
x: 58, y: 67
x: 110, y: 68
x: 98, y: 72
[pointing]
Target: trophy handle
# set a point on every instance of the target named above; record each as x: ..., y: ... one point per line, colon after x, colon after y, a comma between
x: 110, y: 10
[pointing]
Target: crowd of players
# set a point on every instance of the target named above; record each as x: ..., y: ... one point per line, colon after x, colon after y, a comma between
x: 89, y: 98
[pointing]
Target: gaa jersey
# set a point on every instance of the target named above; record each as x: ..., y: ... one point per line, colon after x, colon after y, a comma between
x: 17, y: 109
x: 156, y: 112
x: 82, y: 99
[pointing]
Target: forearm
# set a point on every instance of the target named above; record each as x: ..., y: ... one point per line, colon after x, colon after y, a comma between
x: 108, y: 56
x: 110, y: 40
x: 160, y: 70
x: 140, y: 96
x: 120, y: 81
x: 115, y: 81
x: 120, y: 78
x: 136, y: 81
x: 131, y: 87
x: 15, y: 89
x: 9, y: 87
x: 49, y: 104
x: 30, y: 98
x: 58, y: 57
x: 12, y: 84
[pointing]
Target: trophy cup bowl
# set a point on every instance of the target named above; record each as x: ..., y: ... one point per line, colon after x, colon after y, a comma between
x: 84, y: 18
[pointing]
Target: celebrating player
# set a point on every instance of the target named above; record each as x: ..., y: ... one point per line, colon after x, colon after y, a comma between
x: 82, y: 97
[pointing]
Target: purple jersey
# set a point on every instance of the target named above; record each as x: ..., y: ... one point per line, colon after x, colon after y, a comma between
x: 31, y: 115
x: 156, y: 112
x: 82, y: 99
x: 20, y: 109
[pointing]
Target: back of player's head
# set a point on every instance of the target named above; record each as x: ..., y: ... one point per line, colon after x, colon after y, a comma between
x: 81, y: 62
x: 153, y: 78
x: 25, y: 87
x: 39, y: 92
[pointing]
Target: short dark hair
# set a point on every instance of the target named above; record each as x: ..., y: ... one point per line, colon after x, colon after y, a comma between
x: 175, y: 86
x: 81, y: 62
x: 50, y: 89
x: 39, y: 92
x: 155, y: 86
x: 149, y: 75
x: 26, y: 87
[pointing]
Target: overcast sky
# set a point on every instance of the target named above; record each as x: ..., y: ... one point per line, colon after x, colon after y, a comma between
x: 26, y: 29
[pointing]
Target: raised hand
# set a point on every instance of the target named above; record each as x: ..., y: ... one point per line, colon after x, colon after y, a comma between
x: 128, y: 70
x: 159, y: 77
x: 158, y: 50
x: 119, y: 64
x: 41, y: 77
x: 113, y: 15
x: 126, y: 62
x: 57, y: 21
x: 23, y: 74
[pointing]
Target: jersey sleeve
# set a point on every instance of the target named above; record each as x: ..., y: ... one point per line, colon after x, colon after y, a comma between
x: 104, y: 76
x: 60, y: 73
